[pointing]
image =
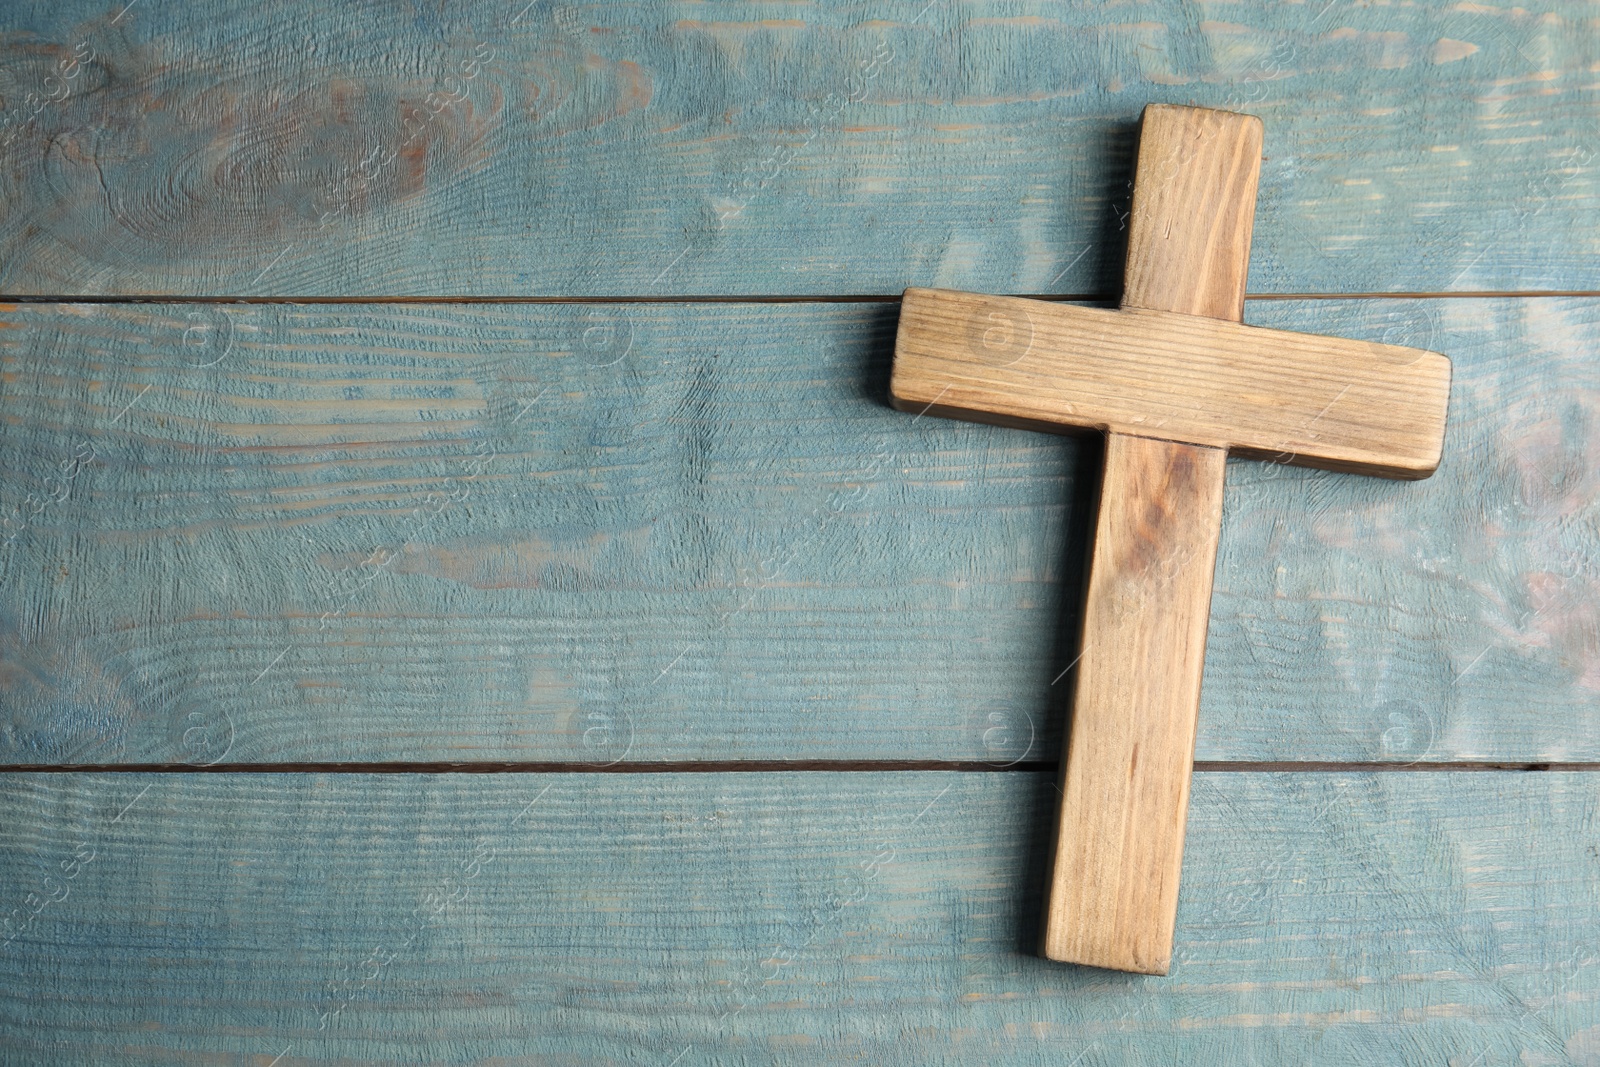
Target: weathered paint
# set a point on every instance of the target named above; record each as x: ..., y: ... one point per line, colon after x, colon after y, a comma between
x: 508, y: 148
x: 698, y: 532
x: 789, y: 918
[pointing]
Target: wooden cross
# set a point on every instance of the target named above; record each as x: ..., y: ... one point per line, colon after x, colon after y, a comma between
x: 1177, y: 383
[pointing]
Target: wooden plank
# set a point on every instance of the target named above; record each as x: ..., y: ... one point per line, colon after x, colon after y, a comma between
x: 1300, y: 398
x: 1125, y: 787
x: 476, y: 147
x: 708, y: 535
x: 829, y: 918
x: 1196, y: 178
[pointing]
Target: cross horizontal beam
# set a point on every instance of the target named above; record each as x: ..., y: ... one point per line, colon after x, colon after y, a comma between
x: 1300, y: 398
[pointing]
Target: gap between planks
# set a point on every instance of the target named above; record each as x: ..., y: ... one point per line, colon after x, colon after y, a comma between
x: 767, y: 766
x: 845, y: 298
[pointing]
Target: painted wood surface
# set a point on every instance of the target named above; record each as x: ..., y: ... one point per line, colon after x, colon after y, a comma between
x: 502, y: 148
x: 260, y: 533
x: 1340, y: 919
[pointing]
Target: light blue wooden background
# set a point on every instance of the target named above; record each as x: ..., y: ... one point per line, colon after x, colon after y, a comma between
x: 821, y: 148
x: 655, y: 523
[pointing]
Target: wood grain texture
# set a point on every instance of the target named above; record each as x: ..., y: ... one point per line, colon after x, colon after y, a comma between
x: 238, y: 148
x: 1194, y: 205
x: 1113, y: 896
x: 1315, y: 401
x: 786, y: 918
x: 709, y: 534
x: 1125, y: 788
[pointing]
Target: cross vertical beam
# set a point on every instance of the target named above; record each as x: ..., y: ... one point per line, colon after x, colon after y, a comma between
x: 1113, y: 896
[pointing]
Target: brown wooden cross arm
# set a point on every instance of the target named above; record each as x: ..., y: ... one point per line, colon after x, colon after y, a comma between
x: 1177, y: 383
